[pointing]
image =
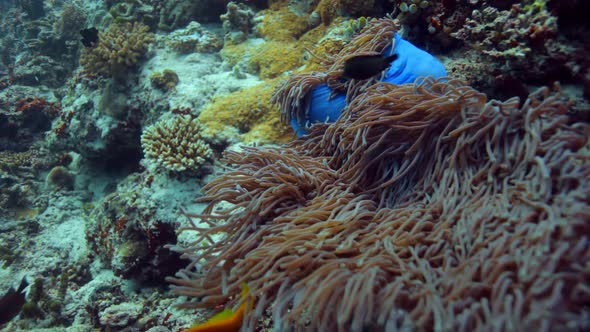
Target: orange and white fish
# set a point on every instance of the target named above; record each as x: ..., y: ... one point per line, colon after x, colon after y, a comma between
x: 227, y: 320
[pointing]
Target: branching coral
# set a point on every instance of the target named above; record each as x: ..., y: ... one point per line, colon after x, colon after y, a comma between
x: 425, y: 206
x: 176, y: 144
x: 513, y: 33
x: 119, y: 49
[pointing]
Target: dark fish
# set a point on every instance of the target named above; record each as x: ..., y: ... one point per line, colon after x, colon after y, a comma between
x: 366, y: 66
x: 12, y: 302
x: 89, y: 37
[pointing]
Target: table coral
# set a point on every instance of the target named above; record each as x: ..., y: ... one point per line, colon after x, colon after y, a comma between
x: 176, y: 144
x: 119, y: 49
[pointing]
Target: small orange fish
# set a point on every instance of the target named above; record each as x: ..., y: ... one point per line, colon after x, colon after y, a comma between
x: 225, y: 321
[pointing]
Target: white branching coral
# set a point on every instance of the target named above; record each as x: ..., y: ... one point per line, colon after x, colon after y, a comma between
x: 176, y: 144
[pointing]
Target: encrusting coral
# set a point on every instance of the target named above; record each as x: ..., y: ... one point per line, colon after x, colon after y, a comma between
x: 248, y: 112
x: 176, y: 144
x: 424, y: 206
x: 165, y: 80
x: 119, y: 49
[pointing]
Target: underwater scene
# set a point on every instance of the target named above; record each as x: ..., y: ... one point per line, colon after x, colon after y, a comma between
x: 284, y: 165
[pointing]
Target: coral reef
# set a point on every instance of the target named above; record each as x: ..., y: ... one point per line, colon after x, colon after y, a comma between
x: 39, y: 70
x: 127, y: 231
x: 245, y: 115
x: 165, y: 15
x: 275, y: 58
x: 119, y: 49
x: 47, y: 51
x: 166, y: 80
x: 20, y: 182
x: 237, y: 22
x: 509, y: 34
x: 518, y: 46
x: 286, y: 36
x: 60, y: 178
x: 71, y: 20
x: 47, y: 295
x: 24, y: 117
x: 328, y: 10
x: 100, y: 119
x: 194, y: 38
x: 429, y: 24
x: 146, y: 12
x: 176, y: 13
x: 176, y: 144
x: 281, y: 24
x: 514, y: 43
x: 424, y: 206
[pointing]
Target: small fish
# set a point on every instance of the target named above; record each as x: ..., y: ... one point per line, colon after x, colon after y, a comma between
x: 89, y: 37
x: 12, y: 302
x: 226, y: 320
x: 366, y: 66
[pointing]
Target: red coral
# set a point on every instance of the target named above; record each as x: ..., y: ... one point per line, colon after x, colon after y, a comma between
x: 37, y: 104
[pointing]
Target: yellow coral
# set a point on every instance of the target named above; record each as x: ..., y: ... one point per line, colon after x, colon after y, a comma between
x: 176, y: 144
x: 118, y: 49
x: 274, y: 58
x: 233, y: 53
x: 329, y: 10
x: 282, y: 25
x: 250, y: 112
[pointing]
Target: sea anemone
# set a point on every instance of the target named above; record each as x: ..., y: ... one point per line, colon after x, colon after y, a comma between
x: 424, y: 206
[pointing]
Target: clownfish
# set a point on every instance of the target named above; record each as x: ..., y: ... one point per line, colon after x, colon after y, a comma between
x: 227, y: 320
